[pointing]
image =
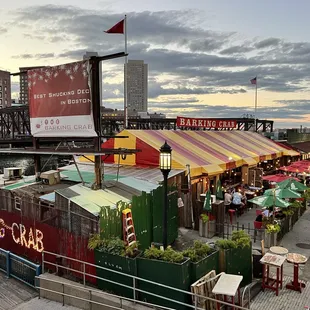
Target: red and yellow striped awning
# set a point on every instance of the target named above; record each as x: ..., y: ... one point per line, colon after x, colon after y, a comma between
x: 207, y: 152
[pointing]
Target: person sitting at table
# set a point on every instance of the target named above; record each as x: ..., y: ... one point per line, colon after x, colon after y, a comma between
x: 237, y: 201
x: 265, y: 213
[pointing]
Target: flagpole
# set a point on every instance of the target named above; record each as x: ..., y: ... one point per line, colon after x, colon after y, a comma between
x: 125, y: 78
x: 255, y: 122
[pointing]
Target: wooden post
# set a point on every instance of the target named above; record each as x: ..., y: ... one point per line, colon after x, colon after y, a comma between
x: 96, y: 104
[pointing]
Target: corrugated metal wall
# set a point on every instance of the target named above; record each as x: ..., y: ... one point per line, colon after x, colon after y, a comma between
x: 147, y: 212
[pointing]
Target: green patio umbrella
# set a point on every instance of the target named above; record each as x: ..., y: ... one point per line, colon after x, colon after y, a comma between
x: 207, y: 203
x: 219, y: 190
x: 293, y: 185
x: 282, y: 193
x: 269, y: 201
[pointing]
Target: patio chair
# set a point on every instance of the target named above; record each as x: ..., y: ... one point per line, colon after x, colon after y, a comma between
x: 257, y: 229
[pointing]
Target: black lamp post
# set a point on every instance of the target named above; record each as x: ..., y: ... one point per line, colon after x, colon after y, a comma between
x: 165, y: 167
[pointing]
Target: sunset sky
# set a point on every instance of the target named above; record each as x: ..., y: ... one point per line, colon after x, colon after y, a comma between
x: 201, y: 53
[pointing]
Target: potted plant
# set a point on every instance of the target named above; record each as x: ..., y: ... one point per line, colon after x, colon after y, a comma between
x: 203, y: 259
x: 206, y: 226
x: 271, y: 232
x: 114, y: 254
x: 297, y: 205
x: 289, y: 213
x: 236, y: 255
x: 167, y: 267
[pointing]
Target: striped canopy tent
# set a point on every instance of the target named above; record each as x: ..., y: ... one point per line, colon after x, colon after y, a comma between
x: 207, y: 152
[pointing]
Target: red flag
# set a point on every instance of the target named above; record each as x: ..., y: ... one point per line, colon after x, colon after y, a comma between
x: 253, y: 81
x: 117, y: 28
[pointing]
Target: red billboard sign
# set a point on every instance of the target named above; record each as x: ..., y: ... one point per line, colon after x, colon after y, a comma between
x: 205, y: 123
x: 60, y: 101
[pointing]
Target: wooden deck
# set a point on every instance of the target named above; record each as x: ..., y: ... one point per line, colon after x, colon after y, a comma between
x: 13, y: 293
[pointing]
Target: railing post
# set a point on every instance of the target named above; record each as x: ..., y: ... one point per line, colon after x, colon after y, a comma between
x: 63, y: 294
x: 84, y: 277
x: 90, y: 300
x: 134, y: 288
x: 7, y: 265
x: 42, y: 262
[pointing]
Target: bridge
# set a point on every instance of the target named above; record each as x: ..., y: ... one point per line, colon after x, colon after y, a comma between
x: 15, y: 126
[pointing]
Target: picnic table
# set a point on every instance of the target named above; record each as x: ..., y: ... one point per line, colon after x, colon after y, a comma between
x: 227, y: 286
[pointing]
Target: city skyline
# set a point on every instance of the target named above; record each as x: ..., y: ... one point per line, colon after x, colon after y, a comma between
x: 201, y: 55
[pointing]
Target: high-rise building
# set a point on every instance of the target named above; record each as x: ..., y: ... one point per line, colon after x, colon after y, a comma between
x: 136, y: 75
x: 5, y: 89
x: 87, y: 57
x: 23, y: 83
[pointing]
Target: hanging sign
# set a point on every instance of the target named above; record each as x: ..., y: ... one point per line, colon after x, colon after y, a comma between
x: 60, y: 102
x: 188, y: 122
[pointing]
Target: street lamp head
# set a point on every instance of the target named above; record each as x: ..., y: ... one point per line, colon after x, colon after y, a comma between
x: 165, y: 158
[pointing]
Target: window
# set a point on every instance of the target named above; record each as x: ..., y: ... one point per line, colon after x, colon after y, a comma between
x: 17, y: 203
x: 0, y: 88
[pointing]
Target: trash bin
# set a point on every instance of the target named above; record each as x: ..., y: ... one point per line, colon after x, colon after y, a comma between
x: 257, y: 266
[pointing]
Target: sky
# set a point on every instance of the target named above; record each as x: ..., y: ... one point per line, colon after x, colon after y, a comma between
x: 201, y: 54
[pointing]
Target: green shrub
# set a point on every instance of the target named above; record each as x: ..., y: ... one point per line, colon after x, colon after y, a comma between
x: 114, y: 246
x: 273, y: 228
x: 197, y: 252
x: 204, y: 218
x: 296, y: 204
x: 226, y: 244
x: 288, y: 212
x: 168, y: 255
x: 239, y: 239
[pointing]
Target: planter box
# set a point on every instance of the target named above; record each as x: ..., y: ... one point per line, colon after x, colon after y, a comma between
x: 237, y: 261
x: 270, y: 239
x: 171, y: 274
x: 290, y: 223
x: 117, y: 263
x: 201, y: 228
x: 201, y: 268
x: 207, y: 229
x: 211, y: 229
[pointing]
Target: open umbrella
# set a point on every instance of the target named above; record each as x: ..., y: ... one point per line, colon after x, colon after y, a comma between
x: 282, y: 193
x: 270, y: 201
x: 219, y: 190
x: 293, y: 185
x: 207, y: 203
x: 277, y: 178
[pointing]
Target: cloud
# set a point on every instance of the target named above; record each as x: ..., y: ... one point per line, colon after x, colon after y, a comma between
x: 183, y: 58
x: 34, y: 56
x: 237, y: 49
x: 267, y: 43
x: 3, y: 30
